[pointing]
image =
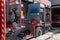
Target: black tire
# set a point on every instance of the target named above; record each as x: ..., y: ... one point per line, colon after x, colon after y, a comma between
x: 39, y: 31
x: 27, y: 32
x: 10, y: 36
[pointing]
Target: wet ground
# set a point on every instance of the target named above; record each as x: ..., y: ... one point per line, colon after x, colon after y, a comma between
x: 55, y: 37
x: 56, y: 34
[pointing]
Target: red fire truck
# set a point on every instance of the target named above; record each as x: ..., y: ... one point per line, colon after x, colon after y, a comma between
x: 25, y: 19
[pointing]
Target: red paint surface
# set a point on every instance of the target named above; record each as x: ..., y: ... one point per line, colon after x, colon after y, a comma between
x: 56, y: 21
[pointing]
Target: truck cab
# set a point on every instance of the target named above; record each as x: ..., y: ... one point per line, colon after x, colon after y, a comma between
x: 25, y: 19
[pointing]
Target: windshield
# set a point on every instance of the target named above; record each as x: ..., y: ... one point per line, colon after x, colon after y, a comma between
x: 13, y: 13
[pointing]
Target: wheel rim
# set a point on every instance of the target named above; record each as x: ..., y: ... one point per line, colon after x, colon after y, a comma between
x: 39, y: 33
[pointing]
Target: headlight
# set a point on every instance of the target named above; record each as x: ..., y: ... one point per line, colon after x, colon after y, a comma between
x: 7, y: 30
